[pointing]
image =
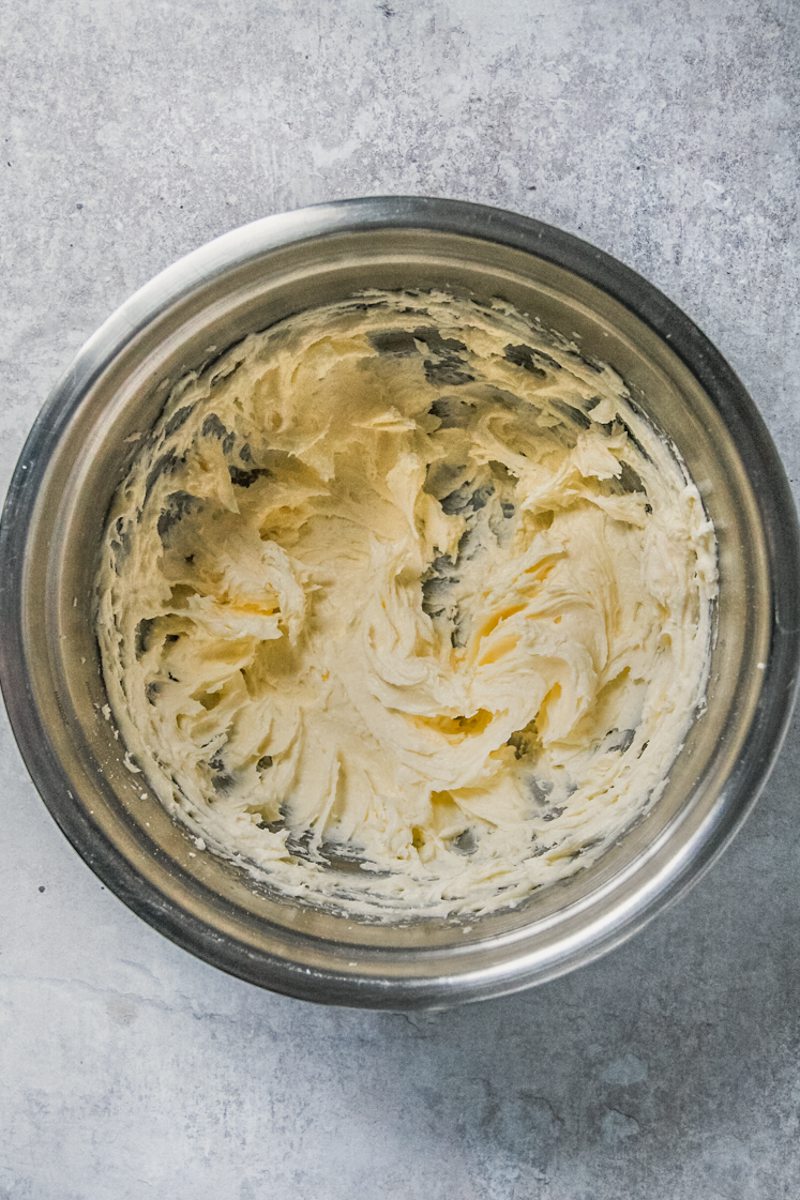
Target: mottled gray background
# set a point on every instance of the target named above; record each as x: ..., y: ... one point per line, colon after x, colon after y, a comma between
x: 665, y: 132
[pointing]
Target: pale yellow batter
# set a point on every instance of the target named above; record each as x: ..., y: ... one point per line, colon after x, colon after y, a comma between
x: 405, y: 605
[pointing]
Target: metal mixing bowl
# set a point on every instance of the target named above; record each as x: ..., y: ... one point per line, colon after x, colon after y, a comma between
x: 77, y: 453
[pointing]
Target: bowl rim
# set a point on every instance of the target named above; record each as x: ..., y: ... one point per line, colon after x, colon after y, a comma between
x: 755, y: 447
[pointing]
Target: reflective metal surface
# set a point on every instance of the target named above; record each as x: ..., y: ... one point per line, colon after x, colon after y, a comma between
x: 78, y: 450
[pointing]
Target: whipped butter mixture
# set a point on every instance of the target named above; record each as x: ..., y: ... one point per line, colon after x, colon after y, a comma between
x: 404, y: 606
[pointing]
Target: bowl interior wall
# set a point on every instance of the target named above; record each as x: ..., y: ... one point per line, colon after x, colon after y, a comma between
x: 100, y: 438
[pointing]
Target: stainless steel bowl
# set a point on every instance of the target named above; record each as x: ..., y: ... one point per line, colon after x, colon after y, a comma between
x: 77, y: 453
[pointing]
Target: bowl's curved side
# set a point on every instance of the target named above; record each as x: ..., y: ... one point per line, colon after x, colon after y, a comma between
x: 424, y: 980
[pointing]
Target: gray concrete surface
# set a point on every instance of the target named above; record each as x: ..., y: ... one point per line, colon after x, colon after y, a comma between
x: 665, y: 132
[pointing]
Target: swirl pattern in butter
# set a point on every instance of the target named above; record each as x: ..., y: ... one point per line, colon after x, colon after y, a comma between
x: 404, y: 605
